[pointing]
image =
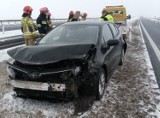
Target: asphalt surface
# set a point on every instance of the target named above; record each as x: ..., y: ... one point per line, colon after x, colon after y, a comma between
x: 153, y: 30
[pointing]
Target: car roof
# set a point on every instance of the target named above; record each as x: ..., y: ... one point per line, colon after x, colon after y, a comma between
x: 100, y: 23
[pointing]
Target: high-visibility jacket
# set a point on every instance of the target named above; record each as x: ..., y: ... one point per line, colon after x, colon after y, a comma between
x: 110, y: 18
x: 107, y: 18
x: 28, y: 27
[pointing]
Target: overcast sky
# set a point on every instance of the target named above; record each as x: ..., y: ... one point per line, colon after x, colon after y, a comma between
x: 13, y: 9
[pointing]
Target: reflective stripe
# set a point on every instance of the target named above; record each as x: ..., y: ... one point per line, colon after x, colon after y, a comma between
x: 30, y: 22
x: 70, y: 19
x: 38, y: 25
x: 30, y: 34
x: 44, y: 22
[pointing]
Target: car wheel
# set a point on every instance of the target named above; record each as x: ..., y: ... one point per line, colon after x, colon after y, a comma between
x: 122, y: 58
x: 100, y: 84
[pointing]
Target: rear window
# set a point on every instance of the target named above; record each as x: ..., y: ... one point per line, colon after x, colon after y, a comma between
x: 116, y: 12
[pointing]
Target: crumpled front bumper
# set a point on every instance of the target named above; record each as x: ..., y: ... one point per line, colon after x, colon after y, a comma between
x: 40, y: 86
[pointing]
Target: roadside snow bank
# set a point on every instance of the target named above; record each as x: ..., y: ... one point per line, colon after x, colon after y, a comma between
x: 10, y: 33
x: 4, y: 55
x: 42, y: 108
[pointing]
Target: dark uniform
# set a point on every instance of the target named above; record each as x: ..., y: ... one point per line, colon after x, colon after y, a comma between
x: 43, y: 24
x: 74, y: 19
x: 71, y: 15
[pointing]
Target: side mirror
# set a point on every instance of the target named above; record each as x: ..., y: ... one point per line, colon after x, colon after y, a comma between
x: 129, y: 16
x: 108, y: 44
x: 112, y: 42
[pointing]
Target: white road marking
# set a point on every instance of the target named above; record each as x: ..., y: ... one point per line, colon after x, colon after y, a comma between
x: 156, y: 50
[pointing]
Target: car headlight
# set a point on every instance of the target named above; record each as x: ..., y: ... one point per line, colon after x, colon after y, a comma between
x: 76, y: 70
x: 11, y: 72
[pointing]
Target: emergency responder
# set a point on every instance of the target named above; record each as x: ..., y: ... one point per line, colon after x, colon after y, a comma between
x: 106, y: 17
x: 28, y: 27
x: 42, y: 21
x: 71, y: 14
x: 49, y: 21
x: 84, y: 16
x: 76, y: 16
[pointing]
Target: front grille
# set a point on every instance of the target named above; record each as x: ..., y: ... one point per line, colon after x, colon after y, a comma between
x: 61, y: 65
x: 47, y: 73
x: 51, y: 78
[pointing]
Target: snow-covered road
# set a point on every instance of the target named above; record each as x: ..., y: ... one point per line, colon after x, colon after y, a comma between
x: 131, y: 93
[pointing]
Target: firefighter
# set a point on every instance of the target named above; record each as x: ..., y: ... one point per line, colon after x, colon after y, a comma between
x: 28, y: 26
x: 76, y: 16
x: 49, y: 21
x: 71, y: 14
x: 106, y: 17
x: 42, y: 21
x: 84, y: 16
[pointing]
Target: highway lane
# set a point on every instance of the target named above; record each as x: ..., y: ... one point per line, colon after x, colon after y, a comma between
x: 151, y: 35
x: 153, y: 29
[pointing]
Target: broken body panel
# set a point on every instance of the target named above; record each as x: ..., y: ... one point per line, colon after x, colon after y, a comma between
x: 54, y: 71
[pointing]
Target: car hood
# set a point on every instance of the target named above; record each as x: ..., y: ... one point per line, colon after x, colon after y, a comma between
x: 45, y: 54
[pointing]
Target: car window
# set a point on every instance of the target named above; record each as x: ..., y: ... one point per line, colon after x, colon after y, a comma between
x: 107, y: 34
x: 114, y: 30
x: 72, y: 34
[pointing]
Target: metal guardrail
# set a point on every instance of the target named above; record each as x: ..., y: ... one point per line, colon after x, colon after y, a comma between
x: 5, y: 23
x: 18, y: 21
x: 11, y: 41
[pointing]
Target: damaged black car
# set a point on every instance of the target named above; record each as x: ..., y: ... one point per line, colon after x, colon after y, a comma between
x: 74, y: 59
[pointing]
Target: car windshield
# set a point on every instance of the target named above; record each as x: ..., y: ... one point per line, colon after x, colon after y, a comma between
x: 67, y: 34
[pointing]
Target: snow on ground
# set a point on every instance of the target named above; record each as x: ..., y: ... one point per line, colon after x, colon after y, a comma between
x: 10, y: 33
x: 4, y: 55
x: 131, y: 93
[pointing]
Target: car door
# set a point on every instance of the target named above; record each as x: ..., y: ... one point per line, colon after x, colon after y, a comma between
x: 109, y: 56
x: 118, y: 48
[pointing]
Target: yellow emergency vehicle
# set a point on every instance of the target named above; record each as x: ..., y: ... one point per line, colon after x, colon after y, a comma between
x: 120, y: 17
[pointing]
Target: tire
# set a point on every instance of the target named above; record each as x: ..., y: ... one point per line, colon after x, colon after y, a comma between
x: 100, y: 84
x: 122, y: 58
